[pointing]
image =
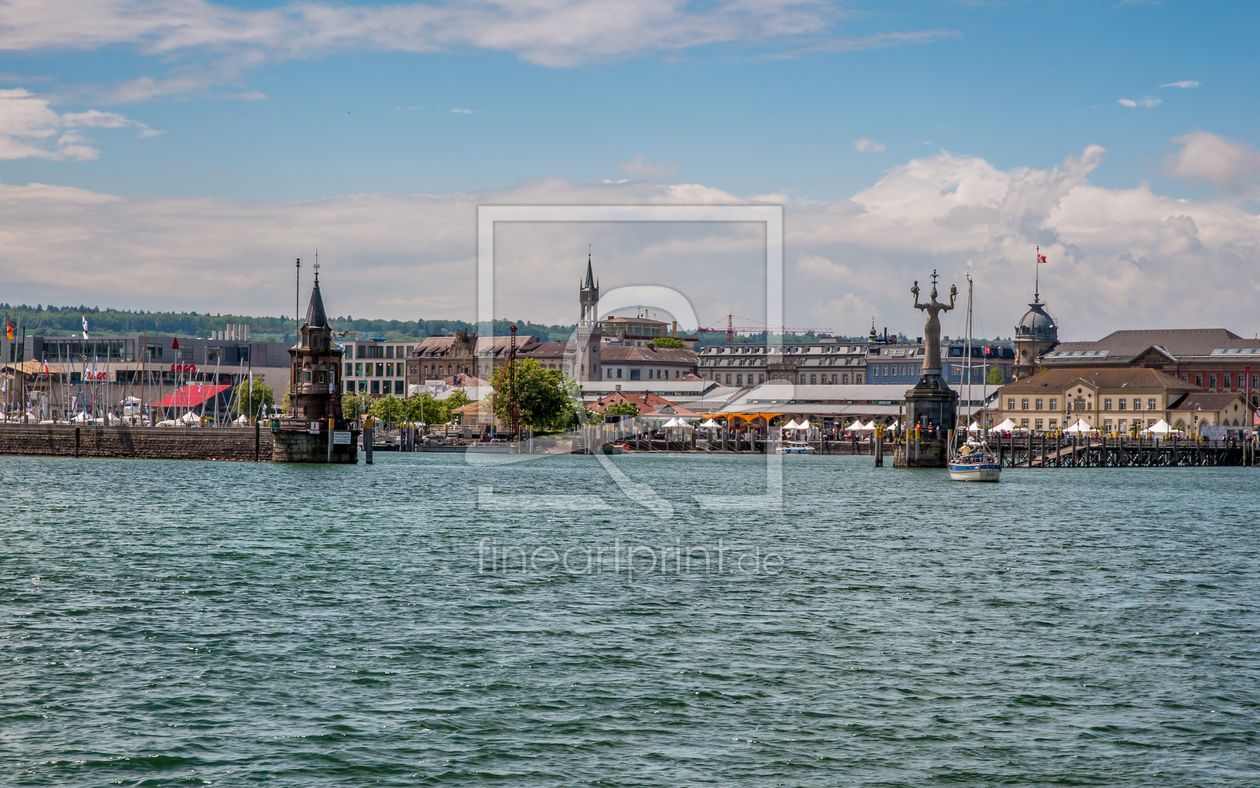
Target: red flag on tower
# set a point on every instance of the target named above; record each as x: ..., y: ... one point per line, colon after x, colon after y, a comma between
x: 1041, y: 258
x: 175, y: 344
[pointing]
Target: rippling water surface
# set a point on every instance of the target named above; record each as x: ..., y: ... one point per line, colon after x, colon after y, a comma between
x: 189, y: 623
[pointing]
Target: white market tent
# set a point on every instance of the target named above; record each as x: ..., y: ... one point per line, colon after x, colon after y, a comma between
x: 804, y: 425
x: 711, y: 425
x: 1007, y: 426
x: 867, y: 427
x: 975, y: 427
x: 1159, y: 429
x: 791, y: 425
x: 1080, y: 427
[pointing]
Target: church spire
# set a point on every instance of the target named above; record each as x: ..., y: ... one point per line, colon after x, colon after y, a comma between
x: 589, y: 284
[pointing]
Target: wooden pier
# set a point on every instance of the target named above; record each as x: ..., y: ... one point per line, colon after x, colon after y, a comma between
x: 1041, y: 451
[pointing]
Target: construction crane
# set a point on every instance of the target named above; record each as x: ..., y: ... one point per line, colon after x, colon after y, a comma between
x: 760, y: 328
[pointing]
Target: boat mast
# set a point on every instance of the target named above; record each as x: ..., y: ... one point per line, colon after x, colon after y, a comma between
x: 967, y: 385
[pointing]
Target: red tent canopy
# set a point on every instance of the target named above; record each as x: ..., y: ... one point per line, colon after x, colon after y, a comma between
x: 192, y: 395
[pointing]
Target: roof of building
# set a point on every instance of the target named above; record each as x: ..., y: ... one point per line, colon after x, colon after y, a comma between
x: 548, y: 350
x: 1110, y: 378
x: 1207, y: 400
x: 1175, y: 342
x: 315, y: 316
x: 486, y: 346
x: 630, y: 354
x: 648, y: 403
x: 1037, y: 325
x: 780, y: 394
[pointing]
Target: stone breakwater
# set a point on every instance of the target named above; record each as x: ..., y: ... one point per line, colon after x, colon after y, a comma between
x: 242, y: 444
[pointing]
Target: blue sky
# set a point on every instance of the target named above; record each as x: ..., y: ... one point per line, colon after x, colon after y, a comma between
x: 1019, y: 83
x: 267, y: 103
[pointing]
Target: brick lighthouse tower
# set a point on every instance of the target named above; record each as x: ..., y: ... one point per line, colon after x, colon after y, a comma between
x: 313, y: 421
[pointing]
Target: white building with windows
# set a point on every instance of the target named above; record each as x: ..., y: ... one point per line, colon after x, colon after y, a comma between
x: 376, y: 367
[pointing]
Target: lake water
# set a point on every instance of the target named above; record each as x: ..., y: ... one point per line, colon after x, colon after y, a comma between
x: 170, y: 623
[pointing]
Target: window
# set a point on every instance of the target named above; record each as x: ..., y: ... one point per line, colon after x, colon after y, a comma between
x: 412, y: 369
x: 884, y: 372
x: 609, y: 375
x: 728, y: 378
x: 1211, y: 381
x: 349, y: 367
x: 380, y: 370
x: 389, y: 352
x: 844, y: 379
x: 321, y: 378
x: 398, y: 387
x: 1107, y: 405
x: 1039, y: 402
x: 358, y: 369
x: 1137, y: 404
x: 1023, y: 404
x: 1054, y: 424
x: 363, y: 386
x: 1037, y: 425
x: 813, y: 379
x: 739, y: 380
x: 1054, y: 405
x: 376, y: 388
x: 1255, y: 381
x: 1198, y: 380
x: 761, y: 378
x: 306, y: 376
x: 1226, y: 377
x: 1150, y: 404
x: 1010, y: 404
x: 1122, y: 403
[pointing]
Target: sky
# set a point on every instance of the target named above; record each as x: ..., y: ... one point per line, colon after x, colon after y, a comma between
x: 179, y: 154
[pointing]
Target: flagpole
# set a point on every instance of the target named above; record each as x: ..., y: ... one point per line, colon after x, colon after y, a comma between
x: 1037, y: 277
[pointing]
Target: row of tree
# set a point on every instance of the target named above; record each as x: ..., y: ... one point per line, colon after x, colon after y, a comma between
x: 66, y: 320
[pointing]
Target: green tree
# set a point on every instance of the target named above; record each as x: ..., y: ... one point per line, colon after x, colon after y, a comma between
x: 457, y: 399
x: 671, y: 343
x: 622, y: 409
x: 251, y: 404
x: 354, y: 405
x: 388, y: 409
x: 997, y: 376
x: 426, y: 409
x: 540, y: 396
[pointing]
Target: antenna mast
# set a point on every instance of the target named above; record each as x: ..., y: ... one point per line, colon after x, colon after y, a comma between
x: 297, y: 301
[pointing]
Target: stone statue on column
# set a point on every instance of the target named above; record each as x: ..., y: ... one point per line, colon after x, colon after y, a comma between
x: 932, y: 328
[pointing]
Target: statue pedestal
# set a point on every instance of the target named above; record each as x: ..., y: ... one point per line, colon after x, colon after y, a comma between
x: 930, y: 402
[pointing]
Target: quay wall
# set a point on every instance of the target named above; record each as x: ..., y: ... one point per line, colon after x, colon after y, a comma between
x: 146, y: 443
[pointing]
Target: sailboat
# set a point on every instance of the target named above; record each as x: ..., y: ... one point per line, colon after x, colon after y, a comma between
x: 973, y: 460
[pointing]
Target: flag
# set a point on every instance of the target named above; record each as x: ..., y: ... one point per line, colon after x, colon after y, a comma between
x: 1041, y: 258
x: 988, y: 351
x: 8, y: 327
x: 85, y: 327
x: 175, y: 344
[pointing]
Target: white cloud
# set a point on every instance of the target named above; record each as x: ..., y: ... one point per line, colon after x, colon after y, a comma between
x: 641, y: 166
x: 553, y: 33
x: 30, y: 128
x: 1189, y: 83
x: 1209, y: 157
x: 463, y: 111
x: 868, y: 145
x: 847, y: 260
x: 1149, y: 101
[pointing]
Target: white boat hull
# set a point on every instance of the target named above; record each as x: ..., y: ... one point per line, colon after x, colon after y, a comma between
x: 974, y: 472
x: 794, y: 449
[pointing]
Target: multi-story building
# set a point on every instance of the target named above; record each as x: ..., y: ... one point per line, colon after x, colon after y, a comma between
x: 376, y: 367
x: 640, y: 330
x: 825, y: 361
x: 902, y: 363
x: 647, y: 362
x: 1210, y: 358
x: 1116, y: 399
